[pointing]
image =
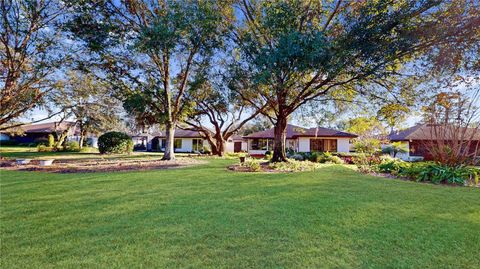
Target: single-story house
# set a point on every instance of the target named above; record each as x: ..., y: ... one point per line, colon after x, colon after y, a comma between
x: 236, y: 143
x: 418, y: 138
x: 185, y: 141
x: 35, y: 133
x: 300, y: 139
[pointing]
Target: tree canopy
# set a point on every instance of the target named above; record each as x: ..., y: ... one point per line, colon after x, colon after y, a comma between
x: 32, y: 53
x: 290, y: 53
x: 151, y: 50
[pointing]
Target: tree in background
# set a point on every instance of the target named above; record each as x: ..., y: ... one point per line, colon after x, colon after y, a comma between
x: 31, y: 55
x: 454, y: 134
x: 365, y: 127
x: 150, y: 50
x: 89, y: 102
x: 370, y: 133
x: 218, y: 107
x: 290, y: 53
x: 258, y: 125
x: 394, y: 115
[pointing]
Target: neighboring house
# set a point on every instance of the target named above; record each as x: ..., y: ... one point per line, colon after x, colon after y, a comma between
x: 236, y: 143
x: 301, y: 140
x: 185, y: 141
x: 34, y: 133
x: 418, y: 138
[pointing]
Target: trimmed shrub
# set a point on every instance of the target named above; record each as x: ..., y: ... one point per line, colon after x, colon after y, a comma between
x: 294, y: 166
x: 72, y: 146
x: 115, y: 142
x: 43, y: 148
x: 268, y: 155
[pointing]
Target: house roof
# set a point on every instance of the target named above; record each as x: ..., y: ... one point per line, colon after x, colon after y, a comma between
x: 180, y: 133
x: 49, y: 127
x: 296, y: 131
x: 427, y: 132
x: 237, y: 137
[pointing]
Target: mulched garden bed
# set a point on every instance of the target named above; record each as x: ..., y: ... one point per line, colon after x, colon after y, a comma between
x: 264, y: 167
x: 99, y: 165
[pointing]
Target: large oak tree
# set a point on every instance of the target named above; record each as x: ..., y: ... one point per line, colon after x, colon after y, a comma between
x: 292, y: 52
x: 150, y: 50
x: 31, y: 55
x: 218, y: 112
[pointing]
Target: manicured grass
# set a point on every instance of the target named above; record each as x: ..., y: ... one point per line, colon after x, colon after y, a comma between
x: 31, y: 153
x: 206, y: 216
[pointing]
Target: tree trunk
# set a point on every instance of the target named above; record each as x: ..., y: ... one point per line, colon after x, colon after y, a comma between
x: 279, y: 141
x: 213, y: 148
x: 221, y: 147
x: 61, y: 139
x: 82, y: 138
x: 169, y: 139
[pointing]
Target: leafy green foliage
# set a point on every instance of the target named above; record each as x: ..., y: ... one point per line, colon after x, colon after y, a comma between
x: 252, y: 165
x: 51, y: 140
x: 367, y: 145
x: 393, y: 166
x: 294, y: 166
x: 43, y: 148
x: 72, y: 146
x: 115, y: 142
x: 365, y: 127
x: 438, y: 173
x: 268, y: 155
x: 322, y: 157
x: 424, y: 171
x: 395, y: 148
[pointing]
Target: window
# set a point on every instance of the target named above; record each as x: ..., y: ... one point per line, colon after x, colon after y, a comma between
x: 316, y: 144
x: 163, y: 144
x: 323, y: 145
x: 177, y: 144
x: 261, y: 144
x: 291, y: 144
x: 197, y: 144
x: 330, y: 145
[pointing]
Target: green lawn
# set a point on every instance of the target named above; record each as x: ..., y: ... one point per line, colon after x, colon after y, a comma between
x: 206, y: 216
x: 31, y: 153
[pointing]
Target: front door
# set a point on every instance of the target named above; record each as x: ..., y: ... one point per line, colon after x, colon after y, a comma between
x: 237, y: 146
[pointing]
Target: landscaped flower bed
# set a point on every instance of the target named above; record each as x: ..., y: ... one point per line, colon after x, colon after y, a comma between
x: 420, y: 171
